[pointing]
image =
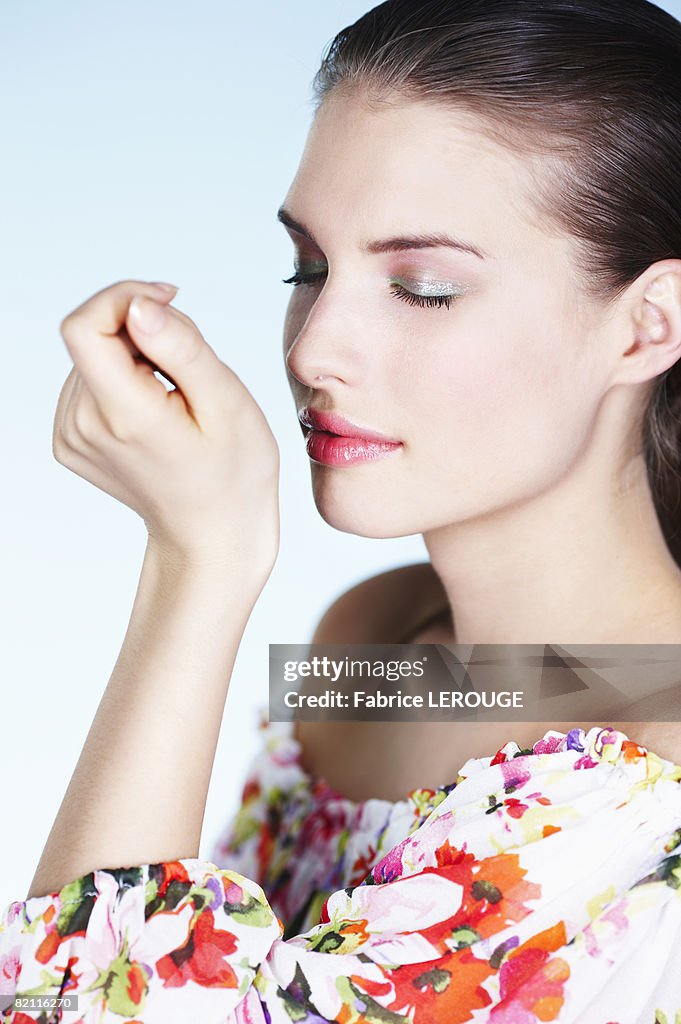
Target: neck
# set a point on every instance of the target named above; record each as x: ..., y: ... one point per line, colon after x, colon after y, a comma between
x: 585, y: 562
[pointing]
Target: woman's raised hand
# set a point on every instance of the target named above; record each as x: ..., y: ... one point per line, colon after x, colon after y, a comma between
x: 199, y: 463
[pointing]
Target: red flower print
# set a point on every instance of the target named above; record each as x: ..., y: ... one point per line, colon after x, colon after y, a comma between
x: 201, y: 958
x: 532, y: 980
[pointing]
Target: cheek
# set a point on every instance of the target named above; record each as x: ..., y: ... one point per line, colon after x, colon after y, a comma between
x: 510, y: 396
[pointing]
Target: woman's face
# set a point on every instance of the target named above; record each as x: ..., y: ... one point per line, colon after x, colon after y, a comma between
x: 493, y: 397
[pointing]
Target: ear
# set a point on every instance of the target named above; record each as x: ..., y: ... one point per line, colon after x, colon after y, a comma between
x: 655, y: 322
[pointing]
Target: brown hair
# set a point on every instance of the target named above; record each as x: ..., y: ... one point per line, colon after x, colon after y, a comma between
x: 592, y: 85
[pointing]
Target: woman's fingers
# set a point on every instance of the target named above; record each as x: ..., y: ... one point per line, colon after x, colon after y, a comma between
x: 66, y: 395
x: 172, y: 342
x: 106, y: 309
x: 102, y: 336
x: 81, y: 426
x: 101, y: 356
x: 198, y: 463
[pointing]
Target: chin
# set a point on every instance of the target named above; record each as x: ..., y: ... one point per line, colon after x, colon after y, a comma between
x: 362, y: 508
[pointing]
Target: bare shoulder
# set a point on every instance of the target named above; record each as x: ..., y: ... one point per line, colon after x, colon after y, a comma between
x: 382, y: 608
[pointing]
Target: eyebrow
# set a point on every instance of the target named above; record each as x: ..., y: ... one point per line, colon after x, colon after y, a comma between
x: 398, y: 243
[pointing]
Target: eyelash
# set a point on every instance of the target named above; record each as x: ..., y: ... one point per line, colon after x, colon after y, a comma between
x: 397, y: 290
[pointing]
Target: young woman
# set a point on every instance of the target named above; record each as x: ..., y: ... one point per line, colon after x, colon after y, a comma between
x: 487, y: 231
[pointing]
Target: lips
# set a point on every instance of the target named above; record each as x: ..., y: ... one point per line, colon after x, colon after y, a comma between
x: 333, y: 423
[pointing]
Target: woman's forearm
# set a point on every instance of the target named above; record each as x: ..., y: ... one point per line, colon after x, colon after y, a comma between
x: 138, y: 792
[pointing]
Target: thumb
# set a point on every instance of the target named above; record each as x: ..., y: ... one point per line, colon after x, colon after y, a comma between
x: 172, y: 342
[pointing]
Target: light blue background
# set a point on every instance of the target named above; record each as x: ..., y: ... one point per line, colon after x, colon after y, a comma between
x: 154, y: 141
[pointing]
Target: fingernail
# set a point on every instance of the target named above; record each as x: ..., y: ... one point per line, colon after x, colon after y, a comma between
x: 148, y: 315
x: 164, y: 286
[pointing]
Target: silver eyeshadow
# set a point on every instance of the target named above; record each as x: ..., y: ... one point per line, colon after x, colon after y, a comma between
x: 426, y: 288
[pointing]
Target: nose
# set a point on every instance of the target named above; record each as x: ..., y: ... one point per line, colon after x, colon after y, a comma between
x: 331, y: 337
x: 310, y: 365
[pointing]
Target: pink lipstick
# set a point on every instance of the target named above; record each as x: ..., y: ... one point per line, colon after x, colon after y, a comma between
x: 332, y: 440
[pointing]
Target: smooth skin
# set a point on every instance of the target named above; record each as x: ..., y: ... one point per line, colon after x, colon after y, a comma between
x: 183, y: 460
x: 517, y: 410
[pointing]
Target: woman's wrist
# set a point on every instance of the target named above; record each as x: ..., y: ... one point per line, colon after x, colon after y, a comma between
x: 248, y: 564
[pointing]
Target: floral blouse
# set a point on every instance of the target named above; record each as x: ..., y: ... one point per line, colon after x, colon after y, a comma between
x: 539, y: 885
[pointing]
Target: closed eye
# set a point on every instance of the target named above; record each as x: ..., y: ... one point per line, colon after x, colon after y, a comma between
x: 398, y: 290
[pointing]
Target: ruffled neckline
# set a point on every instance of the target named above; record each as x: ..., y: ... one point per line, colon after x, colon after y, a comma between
x: 598, y: 744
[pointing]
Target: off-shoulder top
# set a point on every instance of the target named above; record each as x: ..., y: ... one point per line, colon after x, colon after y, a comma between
x: 539, y: 885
